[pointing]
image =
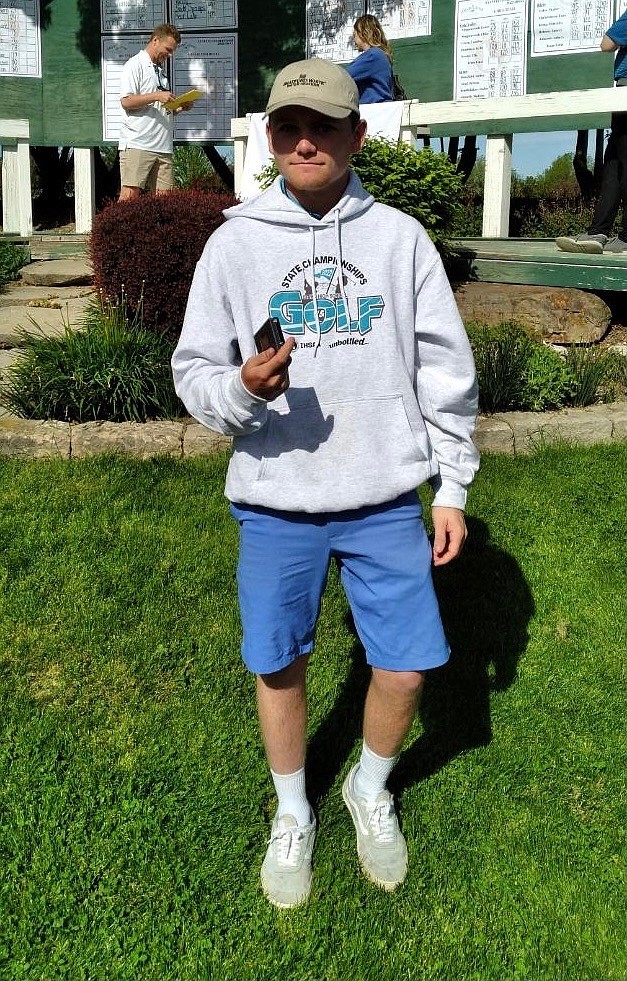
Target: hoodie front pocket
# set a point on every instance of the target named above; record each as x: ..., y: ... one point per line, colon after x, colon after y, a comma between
x: 341, y: 442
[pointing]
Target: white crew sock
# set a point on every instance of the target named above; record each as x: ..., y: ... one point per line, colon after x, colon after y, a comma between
x: 290, y: 789
x: 372, y: 773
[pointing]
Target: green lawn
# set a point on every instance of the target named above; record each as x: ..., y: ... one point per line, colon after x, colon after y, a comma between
x: 134, y: 797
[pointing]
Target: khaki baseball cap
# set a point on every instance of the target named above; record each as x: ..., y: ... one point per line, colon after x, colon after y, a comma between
x: 315, y: 84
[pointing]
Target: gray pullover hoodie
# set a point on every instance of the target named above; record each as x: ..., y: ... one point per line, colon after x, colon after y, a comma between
x: 382, y: 390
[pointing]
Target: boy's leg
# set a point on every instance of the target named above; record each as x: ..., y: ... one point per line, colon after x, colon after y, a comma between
x: 391, y: 703
x: 386, y: 571
x: 282, y: 709
x: 281, y: 575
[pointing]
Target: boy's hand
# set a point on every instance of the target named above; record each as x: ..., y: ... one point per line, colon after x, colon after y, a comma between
x: 265, y: 374
x: 449, y: 534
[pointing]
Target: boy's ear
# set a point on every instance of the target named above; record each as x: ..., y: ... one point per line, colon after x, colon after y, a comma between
x: 359, y: 135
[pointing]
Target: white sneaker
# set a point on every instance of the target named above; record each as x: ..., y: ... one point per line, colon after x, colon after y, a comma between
x: 589, y: 244
x: 381, y: 848
x: 286, y: 868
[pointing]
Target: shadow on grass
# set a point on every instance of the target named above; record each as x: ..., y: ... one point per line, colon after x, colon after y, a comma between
x: 486, y: 606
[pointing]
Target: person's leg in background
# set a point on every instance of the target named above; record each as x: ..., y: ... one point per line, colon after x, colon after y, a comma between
x: 619, y: 136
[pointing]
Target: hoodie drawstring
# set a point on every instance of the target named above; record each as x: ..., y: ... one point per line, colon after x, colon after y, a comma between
x: 340, y: 275
x: 313, y: 286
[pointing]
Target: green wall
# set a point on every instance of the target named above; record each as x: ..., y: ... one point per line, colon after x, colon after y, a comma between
x: 425, y: 68
x: 64, y: 107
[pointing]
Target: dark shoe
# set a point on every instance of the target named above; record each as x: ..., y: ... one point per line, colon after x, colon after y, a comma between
x: 615, y: 245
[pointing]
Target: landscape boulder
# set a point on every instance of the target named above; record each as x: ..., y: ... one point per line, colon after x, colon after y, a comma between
x: 557, y: 315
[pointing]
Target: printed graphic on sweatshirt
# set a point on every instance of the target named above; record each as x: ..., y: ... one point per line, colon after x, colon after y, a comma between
x: 319, y: 302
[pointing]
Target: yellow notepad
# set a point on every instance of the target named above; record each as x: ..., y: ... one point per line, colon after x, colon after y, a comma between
x: 183, y: 99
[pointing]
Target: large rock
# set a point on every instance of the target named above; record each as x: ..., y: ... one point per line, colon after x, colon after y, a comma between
x: 557, y: 315
x: 76, y: 271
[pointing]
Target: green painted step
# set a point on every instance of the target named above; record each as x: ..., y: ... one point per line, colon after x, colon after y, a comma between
x: 539, y: 262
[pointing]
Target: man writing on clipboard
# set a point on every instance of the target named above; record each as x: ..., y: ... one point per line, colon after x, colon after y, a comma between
x: 146, y: 137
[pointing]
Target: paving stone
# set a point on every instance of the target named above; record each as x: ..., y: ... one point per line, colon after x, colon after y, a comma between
x: 7, y: 358
x: 33, y: 439
x: 21, y: 294
x: 58, y: 272
x: 39, y: 320
x: 138, y: 439
x: 200, y: 441
x: 494, y: 435
x: 617, y: 412
x: 583, y: 426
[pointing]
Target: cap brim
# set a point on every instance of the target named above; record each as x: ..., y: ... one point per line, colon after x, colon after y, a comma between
x: 324, y: 108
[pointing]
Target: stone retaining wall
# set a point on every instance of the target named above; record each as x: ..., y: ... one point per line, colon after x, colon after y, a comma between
x: 508, y: 432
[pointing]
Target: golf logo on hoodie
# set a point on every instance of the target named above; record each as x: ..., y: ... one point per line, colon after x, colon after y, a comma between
x: 318, y: 304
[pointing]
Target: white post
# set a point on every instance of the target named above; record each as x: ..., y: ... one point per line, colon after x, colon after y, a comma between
x: 84, y: 188
x: 496, y: 187
x: 17, y: 209
x: 239, y: 134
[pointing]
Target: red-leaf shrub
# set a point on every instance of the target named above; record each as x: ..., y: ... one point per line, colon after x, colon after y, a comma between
x: 149, y: 248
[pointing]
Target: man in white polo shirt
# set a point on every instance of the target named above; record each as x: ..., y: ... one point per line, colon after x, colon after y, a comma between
x: 146, y: 138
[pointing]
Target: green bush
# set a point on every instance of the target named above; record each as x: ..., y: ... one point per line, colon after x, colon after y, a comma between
x: 518, y: 372
x: 420, y: 183
x: 148, y: 249
x: 547, y: 382
x: 192, y: 170
x: 110, y: 369
x: 12, y: 258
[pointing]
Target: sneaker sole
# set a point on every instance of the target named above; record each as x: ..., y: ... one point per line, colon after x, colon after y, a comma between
x: 588, y: 248
x: 382, y: 883
x: 278, y: 905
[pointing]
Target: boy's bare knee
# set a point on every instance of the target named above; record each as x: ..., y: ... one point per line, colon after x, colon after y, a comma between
x: 408, y: 683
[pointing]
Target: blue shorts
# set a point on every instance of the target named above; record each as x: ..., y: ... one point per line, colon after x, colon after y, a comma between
x: 385, y: 566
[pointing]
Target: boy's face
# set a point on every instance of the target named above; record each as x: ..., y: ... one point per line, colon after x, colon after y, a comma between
x: 312, y: 152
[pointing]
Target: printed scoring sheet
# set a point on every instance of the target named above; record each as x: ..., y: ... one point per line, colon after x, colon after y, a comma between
x: 567, y: 26
x: 490, y: 48
x: 131, y: 15
x: 207, y: 62
x: 20, y: 38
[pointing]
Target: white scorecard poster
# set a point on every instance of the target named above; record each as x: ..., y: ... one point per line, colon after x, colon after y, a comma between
x: 490, y: 48
x: 402, y: 18
x: 131, y: 15
x: 20, y: 38
x: 115, y: 52
x: 568, y: 26
x: 207, y: 62
x: 191, y: 15
x: 329, y: 27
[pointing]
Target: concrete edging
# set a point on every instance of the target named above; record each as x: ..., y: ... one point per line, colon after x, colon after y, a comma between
x: 508, y: 432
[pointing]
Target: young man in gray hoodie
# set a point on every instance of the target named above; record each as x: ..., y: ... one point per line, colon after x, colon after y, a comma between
x: 372, y: 393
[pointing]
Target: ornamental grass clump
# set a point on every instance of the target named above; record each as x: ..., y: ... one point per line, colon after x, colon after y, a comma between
x: 517, y: 372
x: 110, y: 369
x: 501, y: 356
